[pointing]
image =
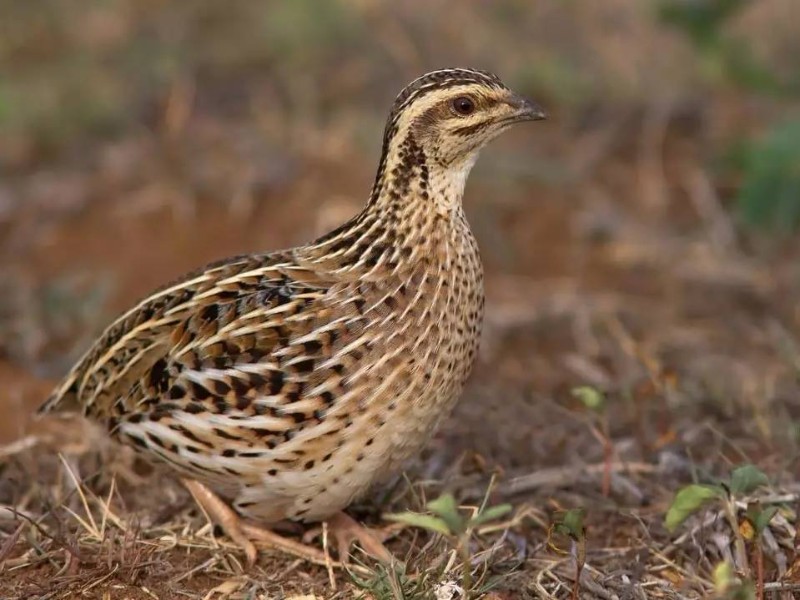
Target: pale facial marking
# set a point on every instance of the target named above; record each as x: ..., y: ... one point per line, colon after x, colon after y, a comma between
x: 450, y: 138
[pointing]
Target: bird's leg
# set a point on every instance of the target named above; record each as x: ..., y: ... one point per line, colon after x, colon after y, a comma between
x: 244, y: 534
x: 345, y: 530
x: 223, y: 515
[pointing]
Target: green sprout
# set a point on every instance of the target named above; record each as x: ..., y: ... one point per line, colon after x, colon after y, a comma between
x: 744, y: 480
x: 448, y: 520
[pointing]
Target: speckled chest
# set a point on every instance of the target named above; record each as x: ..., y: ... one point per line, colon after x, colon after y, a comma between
x: 444, y: 350
x: 424, y: 343
x: 416, y: 379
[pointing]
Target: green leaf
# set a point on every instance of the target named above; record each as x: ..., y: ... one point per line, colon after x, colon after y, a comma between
x: 744, y: 591
x: 592, y: 398
x: 724, y: 577
x: 746, y: 479
x: 446, y: 508
x: 688, y: 501
x: 701, y: 22
x: 571, y: 523
x: 444, y: 504
x: 770, y: 193
x: 762, y: 518
x: 490, y: 514
x: 428, y: 522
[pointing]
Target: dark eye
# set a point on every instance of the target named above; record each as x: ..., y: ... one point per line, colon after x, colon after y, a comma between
x: 464, y: 105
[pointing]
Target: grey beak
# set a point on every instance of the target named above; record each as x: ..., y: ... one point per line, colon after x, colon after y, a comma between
x: 527, y: 110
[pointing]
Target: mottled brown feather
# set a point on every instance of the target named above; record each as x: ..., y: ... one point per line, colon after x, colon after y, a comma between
x: 292, y: 380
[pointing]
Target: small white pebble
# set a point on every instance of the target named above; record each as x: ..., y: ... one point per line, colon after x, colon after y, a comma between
x: 448, y: 590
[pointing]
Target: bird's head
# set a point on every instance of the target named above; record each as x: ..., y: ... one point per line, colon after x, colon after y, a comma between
x: 450, y: 114
x: 436, y: 128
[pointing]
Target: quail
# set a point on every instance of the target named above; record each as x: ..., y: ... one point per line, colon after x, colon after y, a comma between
x: 282, y: 385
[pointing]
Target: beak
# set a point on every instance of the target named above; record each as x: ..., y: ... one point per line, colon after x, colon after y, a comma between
x: 526, y: 110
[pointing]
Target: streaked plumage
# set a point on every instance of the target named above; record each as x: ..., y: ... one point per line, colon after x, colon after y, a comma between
x: 290, y: 381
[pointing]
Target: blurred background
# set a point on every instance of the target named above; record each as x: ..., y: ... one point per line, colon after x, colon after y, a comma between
x: 642, y: 241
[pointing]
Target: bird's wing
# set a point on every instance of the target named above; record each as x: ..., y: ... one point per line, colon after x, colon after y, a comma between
x: 265, y: 358
x: 222, y: 326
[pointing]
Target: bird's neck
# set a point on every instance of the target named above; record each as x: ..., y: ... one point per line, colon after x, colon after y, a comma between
x: 414, y: 208
x: 407, y: 172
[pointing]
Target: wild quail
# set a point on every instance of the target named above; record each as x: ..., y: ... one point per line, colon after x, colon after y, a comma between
x: 289, y: 382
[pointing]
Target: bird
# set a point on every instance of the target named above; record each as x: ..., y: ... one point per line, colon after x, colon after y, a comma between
x: 282, y: 385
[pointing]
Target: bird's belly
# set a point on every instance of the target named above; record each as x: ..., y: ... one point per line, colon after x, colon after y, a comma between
x: 401, y: 406
x: 370, y: 454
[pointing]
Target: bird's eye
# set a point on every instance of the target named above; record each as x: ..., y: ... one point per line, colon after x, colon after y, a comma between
x: 464, y: 105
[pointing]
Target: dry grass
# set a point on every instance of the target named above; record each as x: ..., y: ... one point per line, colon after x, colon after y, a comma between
x: 70, y: 537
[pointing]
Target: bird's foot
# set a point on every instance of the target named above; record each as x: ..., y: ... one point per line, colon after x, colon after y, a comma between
x: 244, y: 534
x: 345, y: 531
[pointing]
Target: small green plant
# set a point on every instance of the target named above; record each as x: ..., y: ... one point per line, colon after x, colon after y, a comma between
x: 391, y: 582
x: 595, y: 401
x: 701, y: 21
x: 756, y: 520
x: 770, y: 194
x: 743, y: 480
x: 570, y: 524
x: 591, y: 397
x: 729, y: 587
x: 691, y: 498
x: 723, y: 58
x: 448, y: 520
